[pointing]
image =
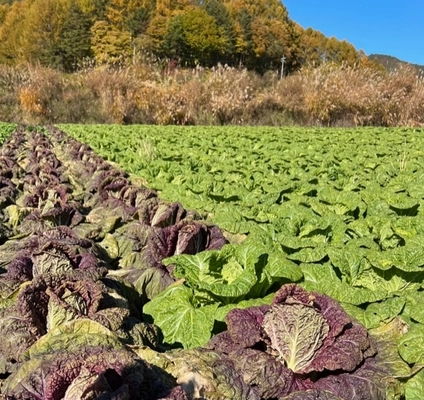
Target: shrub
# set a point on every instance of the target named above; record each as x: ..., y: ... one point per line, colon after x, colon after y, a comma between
x: 330, y: 95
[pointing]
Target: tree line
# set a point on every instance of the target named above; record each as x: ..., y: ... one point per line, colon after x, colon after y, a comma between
x: 254, y: 34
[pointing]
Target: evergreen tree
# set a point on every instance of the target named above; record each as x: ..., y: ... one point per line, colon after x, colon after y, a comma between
x: 138, y: 21
x: 99, y: 8
x: 175, y: 44
x: 75, y: 39
x: 244, y: 39
x: 216, y: 9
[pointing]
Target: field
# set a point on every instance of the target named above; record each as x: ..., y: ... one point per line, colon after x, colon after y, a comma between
x: 337, y: 212
x: 6, y: 130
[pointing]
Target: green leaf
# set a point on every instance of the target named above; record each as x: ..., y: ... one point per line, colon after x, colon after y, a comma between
x: 383, y: 311
x: 401, y: 203
x: 377, y: 313
x: 414, y: 308
x: 358, y: 313
x: 57, y: 314
x: 110, y: 245
x: 182, y: 321
x: 228, y: 274
x: 349, y: 261
x: 393, y: 281
x: 386, y: 337
x: 414, y: 386
x: 230, y: 218
x: 309, y: 255
x: 407, y: 258
x: 278, y: 266
x: 323, y: 278
x: 411, y: 345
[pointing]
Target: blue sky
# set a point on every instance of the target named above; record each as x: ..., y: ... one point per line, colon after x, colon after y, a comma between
x: 392, y: 27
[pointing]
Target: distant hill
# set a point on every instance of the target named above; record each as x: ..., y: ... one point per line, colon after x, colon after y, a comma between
x: 391, y: 63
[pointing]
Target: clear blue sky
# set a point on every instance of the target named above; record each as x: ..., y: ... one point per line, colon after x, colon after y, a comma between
x: 392, y: 27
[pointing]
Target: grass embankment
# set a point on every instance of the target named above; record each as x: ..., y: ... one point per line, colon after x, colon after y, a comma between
x: 324, y: 96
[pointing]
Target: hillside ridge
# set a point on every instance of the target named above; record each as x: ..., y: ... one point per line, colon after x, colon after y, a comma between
x: 392, y: 63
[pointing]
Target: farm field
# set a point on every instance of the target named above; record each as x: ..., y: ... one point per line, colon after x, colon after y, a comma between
x: 300, y: 225
x: 6, y: 130
x: 345, y: 206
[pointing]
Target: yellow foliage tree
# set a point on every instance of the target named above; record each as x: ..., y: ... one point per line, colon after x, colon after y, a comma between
x: 264, y: 33
x: 11, y: 28
x: 109, y: 44
x: 43, y: 25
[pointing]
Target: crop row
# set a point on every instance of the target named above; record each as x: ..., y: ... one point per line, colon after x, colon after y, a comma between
x: 338, y: 211
x: 81, y: 251
x: 109, y: 292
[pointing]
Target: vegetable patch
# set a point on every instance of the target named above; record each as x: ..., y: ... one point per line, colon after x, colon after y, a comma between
x: 109, y: 291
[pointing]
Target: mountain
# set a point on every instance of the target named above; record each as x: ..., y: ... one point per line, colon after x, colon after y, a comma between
x: 391, y: 63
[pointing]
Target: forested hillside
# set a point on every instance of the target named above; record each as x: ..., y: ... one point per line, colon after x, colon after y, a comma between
x: 190, y: 62
x: 254, y: 34
x: 391, y: 63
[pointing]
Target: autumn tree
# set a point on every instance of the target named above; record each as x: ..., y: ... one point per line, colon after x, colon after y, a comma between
x: 315, y: 48
x: 250, y: 33
x: 11, y: 28
x: 3, y: 12
x: 340, y: 51
x: 312, y: 46
x: 160, y: 31
x: 204, y: 38
x: 264, y: 33
x: 42, y: 28
x: 109, y: 44
x: 113, y: 38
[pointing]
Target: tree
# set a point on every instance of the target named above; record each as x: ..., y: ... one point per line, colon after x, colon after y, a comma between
x: 96, y: 8
x: 137, y: 21
x: 203, y: 36
x: 3, y: 12
x: 244, y: 36
x: 264, y: 33
x: 312, y: 49
x: 41, y: 31
x: 160, y: 33
x: 217, y: 10
x: 175, y: 44
x: 11, y: 37
x: 341, y: 52
x: 109, y: 44
x: 114, y: 38
x: 74, y: 44
x: 192, y: 38
x: 170, y: 8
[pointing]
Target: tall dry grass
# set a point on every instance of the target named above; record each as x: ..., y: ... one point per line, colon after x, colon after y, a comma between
x: 353, y: 96
x: 326, y: 96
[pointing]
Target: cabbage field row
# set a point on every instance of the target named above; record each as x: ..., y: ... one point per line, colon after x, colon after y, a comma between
x: 211, y: 263
x: 340, y: 209
x: 6, y: 130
